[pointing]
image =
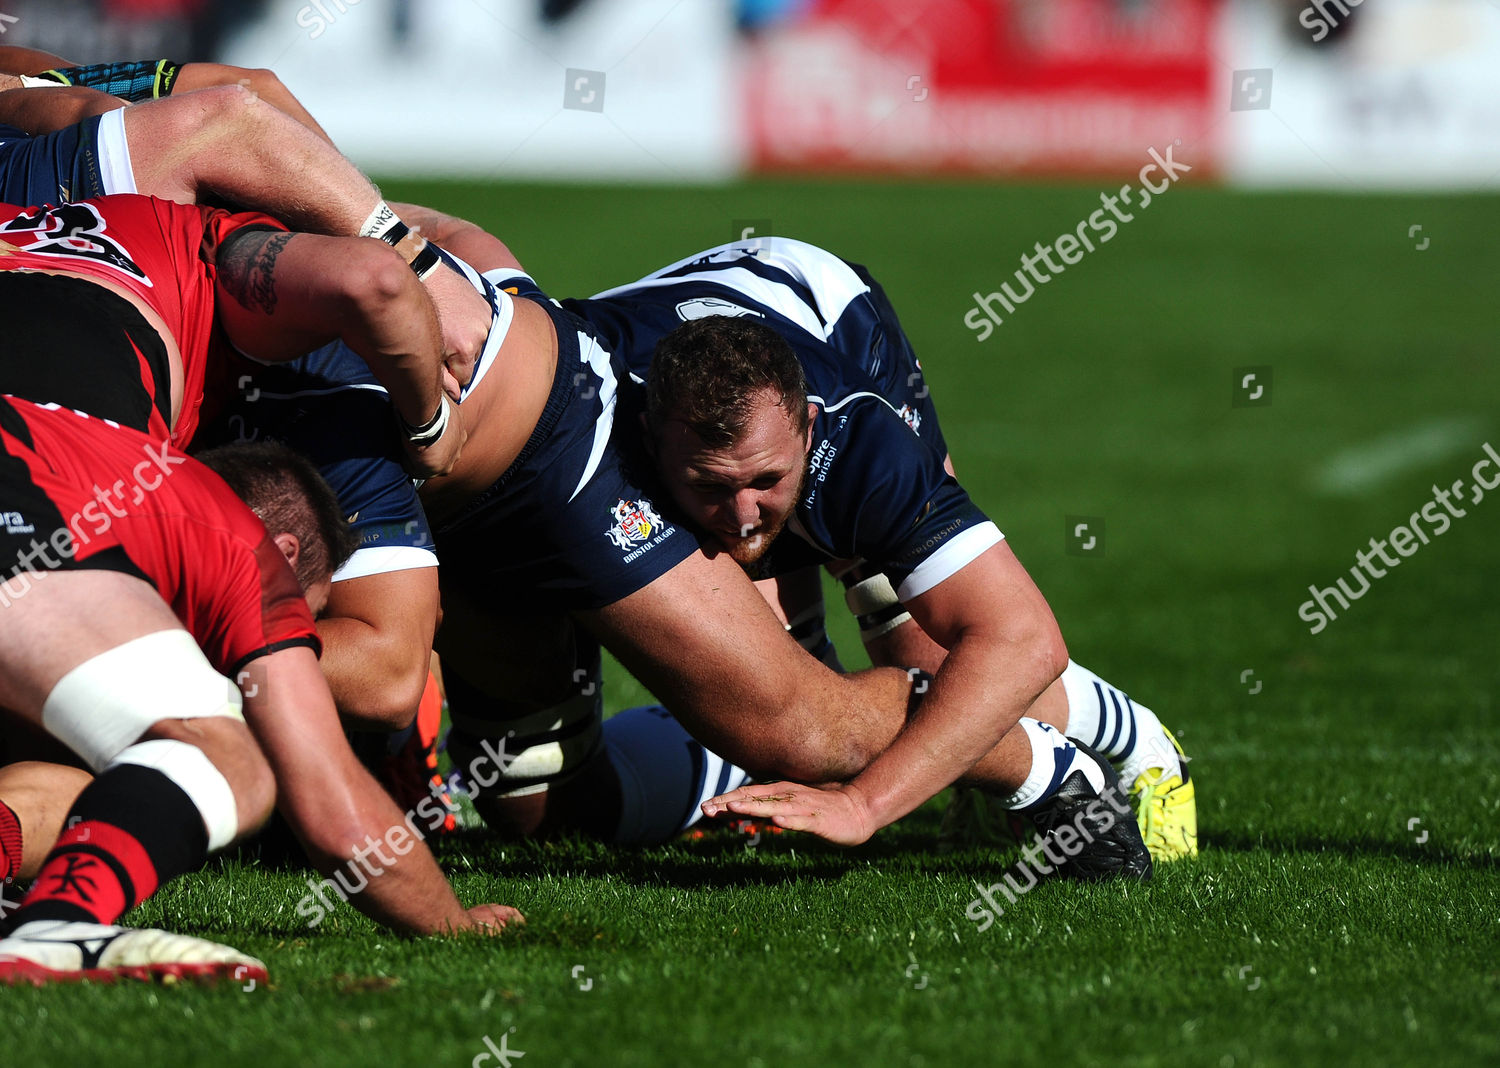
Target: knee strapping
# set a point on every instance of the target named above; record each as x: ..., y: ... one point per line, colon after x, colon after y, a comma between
x: 104, y: 704
x: 189, y: 767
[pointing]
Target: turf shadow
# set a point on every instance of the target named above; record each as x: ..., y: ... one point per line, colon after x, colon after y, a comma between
x: 1409, y: 852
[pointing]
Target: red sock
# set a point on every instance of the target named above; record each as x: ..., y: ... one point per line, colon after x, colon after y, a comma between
x: 135, y: 828
x: 96, y: 872
x: 10, y: 843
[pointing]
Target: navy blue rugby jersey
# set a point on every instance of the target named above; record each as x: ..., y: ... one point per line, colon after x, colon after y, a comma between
x: 877, y: 489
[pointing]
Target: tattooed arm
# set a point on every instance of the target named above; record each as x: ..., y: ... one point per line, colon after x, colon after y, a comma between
x: 280, y: 295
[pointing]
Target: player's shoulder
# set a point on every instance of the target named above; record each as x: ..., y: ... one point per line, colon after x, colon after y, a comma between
x: 845, y: 396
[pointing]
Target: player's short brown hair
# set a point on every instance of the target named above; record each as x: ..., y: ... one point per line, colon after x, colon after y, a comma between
x: 707, y: 372
x: 285, y: 490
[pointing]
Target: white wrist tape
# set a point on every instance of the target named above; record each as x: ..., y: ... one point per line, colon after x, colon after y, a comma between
x: 421, y: 437
x: 382, y: 220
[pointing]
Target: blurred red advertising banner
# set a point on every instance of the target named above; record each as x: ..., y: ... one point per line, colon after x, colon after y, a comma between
x: 983, y: 86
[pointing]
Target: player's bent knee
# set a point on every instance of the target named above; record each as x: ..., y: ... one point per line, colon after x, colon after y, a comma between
x: 232, y: 750
x: 206, y: 786
x: 664, y: 775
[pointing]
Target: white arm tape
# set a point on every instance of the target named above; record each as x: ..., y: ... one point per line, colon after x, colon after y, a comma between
x: 872, y: 595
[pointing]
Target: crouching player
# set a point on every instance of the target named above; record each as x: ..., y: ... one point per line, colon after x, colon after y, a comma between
x: 791, y: 421
x: 160, y: 632
x: 569, y: 522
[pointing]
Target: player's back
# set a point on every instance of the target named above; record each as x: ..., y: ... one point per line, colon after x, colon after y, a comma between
x: 182, y: 529
x: 154, y: 255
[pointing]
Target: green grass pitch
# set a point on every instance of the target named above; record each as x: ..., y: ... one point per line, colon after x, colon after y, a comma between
x: 1321, y: 924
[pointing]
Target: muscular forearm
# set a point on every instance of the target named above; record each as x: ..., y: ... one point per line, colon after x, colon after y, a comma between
x: 395, y: 331
x: 908, y: 646
x: 41, y: 111
x: 982, y: 688
x: 406, y: 891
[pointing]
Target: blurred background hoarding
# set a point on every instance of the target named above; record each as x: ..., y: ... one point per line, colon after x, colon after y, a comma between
x: 1319, y: 93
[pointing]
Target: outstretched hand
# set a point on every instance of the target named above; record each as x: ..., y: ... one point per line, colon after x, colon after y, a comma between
x: 492, y: 919
x: 837, y: 814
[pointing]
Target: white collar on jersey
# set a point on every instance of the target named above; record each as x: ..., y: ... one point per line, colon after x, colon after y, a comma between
x: 502, y: 312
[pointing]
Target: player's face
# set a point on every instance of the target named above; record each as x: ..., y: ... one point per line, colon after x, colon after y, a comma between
x: 743, y: 494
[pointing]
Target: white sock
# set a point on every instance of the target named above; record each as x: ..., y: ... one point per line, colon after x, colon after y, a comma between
x: 1053, y: 759
x: 1103, y: 718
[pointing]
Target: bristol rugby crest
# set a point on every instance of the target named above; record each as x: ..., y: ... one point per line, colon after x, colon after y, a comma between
x: 634, y: 523
x: 911, y: 417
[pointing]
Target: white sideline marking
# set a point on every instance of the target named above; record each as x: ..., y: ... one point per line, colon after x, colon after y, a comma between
x: 1361, y: 468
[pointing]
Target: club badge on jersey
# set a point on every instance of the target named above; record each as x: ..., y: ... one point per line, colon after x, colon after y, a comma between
x: 636, y: 526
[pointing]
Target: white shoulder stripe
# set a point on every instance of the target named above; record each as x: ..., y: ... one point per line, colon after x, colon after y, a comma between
x: 821, y: 403
x: 590, y: 353
x: 273, y: 395
x: 832, y: 283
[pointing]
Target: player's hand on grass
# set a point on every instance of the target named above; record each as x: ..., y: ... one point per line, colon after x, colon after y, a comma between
x: 492, y: 919
x: 438, y: 458
x: 463, y: 317
x: 837, y: 813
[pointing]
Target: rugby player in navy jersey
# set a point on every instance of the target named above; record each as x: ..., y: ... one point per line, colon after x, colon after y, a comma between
x: 555, y: 536
x: 792, y: 423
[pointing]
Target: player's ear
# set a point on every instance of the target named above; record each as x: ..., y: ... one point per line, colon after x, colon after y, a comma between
x: 812, y: 411
x: 290, y: 548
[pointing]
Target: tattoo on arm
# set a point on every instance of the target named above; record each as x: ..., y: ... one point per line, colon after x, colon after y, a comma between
x: 247, y: 267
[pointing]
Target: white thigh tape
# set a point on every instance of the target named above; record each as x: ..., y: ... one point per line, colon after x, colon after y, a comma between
x: 106, y: 703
